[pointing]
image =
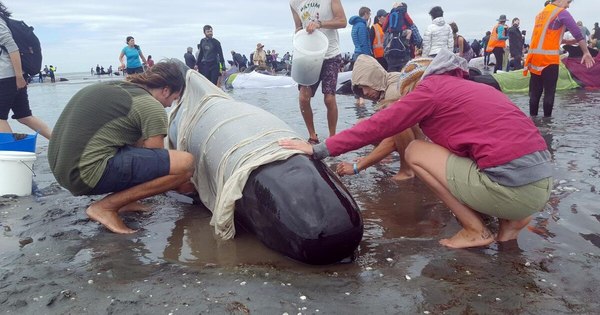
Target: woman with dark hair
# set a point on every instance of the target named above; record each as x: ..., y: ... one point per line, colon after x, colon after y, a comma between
x: 150, y: 61
x: 110, y: 139
x: 438, y: 35
x: 133, y: 54
x: 13, y: 85
x: 461, y: 46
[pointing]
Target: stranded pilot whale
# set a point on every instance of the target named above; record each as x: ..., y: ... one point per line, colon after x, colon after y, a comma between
x: 293, y: 204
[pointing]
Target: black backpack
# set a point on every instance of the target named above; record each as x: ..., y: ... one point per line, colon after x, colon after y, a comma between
x: 29, y: 46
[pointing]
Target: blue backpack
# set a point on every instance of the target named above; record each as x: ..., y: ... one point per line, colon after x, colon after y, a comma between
x: 396, y: 21
x: 29, y: 46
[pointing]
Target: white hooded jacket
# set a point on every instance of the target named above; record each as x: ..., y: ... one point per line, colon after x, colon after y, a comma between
x: 437, y: 36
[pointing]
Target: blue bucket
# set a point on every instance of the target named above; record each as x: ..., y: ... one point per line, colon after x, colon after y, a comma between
x: 17, y: 142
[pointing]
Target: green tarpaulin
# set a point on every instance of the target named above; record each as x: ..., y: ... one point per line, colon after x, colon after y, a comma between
x: 514, y: 81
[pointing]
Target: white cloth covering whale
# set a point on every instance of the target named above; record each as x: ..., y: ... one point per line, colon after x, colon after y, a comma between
x: 214, y: 127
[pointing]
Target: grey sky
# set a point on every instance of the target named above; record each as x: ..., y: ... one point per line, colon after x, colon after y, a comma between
x: 78, y: 34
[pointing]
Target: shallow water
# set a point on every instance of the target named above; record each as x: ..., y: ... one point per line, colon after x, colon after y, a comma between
x: 553, y: 268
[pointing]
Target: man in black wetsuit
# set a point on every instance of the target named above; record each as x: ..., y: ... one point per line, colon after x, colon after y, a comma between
x: 210, y: 56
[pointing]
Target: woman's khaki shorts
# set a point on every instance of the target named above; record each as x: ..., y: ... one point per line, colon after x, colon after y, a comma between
x: 476, y: 190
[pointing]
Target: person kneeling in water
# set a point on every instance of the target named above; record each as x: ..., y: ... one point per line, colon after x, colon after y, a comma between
x: 486, y: 156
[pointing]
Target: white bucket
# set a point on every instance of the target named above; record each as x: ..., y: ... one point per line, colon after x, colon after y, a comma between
x: 309, y: 52
x: 17, y: 172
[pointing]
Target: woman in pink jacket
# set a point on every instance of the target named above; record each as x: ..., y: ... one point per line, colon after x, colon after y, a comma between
x: 485, y: 155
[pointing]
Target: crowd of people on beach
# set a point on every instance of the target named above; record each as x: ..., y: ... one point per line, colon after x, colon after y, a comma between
x: 476, y: 150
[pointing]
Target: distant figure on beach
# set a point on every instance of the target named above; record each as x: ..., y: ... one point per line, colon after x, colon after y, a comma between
x: 259, y: 57
x: 13, y: 84
x: 486, y: 55
x: 461, y: 46
x: 133, y: 54
x: 327, y: 16
x: 544, y: 53
x: 515, y: 46
x: 150, y: 61
x: 497, y: 42
x: 210, y: 61
x: 189, y: 58
x: 115, y: 144
x: 468, y: 164
x: 97, y: 69
x: 92, y: 71
x: 52, y: 73
x: 110, y: 70
x: 438, y: 34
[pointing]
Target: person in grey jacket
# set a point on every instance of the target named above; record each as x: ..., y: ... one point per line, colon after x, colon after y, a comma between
x: 438, y: 34
x: 13, y: 85
x: 515, y: 43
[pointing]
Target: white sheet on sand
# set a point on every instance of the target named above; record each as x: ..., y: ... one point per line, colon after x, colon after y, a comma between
x: 229, y: 139
x: 255, y: 80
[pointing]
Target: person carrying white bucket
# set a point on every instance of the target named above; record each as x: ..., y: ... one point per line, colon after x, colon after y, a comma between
x: 326, y: 16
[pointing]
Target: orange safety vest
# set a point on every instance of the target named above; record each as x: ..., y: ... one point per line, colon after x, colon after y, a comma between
x: 544, y: 49
x: 494, y: 41
x: 378, y: 41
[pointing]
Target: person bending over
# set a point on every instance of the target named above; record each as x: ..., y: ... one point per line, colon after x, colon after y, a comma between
x: 109, y: 139
x: 486, y: 155
x: 372, y: 82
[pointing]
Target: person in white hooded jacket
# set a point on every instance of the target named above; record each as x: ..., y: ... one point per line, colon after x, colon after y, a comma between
x: 438, y: 35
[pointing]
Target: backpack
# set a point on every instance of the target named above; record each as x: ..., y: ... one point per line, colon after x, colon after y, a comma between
x: 396, y: 21
x: 29, y: 46
x: 396, y: 52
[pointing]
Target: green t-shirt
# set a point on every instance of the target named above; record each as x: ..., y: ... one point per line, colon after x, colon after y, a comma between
x: 97, y: 121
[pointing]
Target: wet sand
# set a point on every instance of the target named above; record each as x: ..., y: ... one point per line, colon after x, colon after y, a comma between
x: 53, y: 260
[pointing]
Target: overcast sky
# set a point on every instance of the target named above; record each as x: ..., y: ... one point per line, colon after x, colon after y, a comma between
x: 78, y: 34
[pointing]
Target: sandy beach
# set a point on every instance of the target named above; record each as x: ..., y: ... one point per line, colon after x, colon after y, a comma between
x: 54, y: 260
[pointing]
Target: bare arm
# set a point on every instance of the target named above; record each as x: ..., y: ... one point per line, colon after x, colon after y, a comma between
x: 383, y: 149
x: 154, y: 142
x: 143, y: 58
x: 587, y: 58
x: 461, y: 45
x: 15, y: 59
x: 297, y: 21
x: 121, y: 60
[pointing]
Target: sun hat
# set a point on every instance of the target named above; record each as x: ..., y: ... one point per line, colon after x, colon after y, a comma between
x: 502, y: 18
x: 412, y: 73
x: 259, y: 45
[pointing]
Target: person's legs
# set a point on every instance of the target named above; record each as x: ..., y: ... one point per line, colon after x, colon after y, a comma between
x: 401, y: 142
x: 429, y: 162
x: 215, y: 74
x: 550, y: 79
x: 536, y: 88
x: 105, y: 211
x: 332, y: 113
x: 509, y: 229
x: 36, y: 124
x: 306, y: 93
x: 8, y: 92
x: 329, y: 75
x: 499, y: 54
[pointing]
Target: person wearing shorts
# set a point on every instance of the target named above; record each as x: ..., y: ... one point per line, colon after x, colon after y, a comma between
x: 485, y: 155
x: 327, y: 16
x: 110, y: 139
x: 13, y: 86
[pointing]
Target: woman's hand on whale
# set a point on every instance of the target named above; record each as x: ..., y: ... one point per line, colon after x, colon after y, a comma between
x: 296, y: 145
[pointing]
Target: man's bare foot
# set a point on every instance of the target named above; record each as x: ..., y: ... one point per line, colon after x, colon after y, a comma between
x: 464, y: 239
x: 403, y: 175
x: 134, y: 207
x: 509, y: 229
x: 109, y: 218
x: 186, y: 188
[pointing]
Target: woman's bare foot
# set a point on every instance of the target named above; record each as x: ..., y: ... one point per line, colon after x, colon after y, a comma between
x: 134, y: 207
x: 464, y: 239
x: 509, y: 229
x: 109, y: 218
x: 403, y: 175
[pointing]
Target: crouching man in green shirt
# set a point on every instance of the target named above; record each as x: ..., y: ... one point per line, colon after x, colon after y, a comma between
x: 109, y: 139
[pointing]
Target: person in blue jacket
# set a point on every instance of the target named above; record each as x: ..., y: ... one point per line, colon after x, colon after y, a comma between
x: 361, y: 39
x: 360, y: 33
